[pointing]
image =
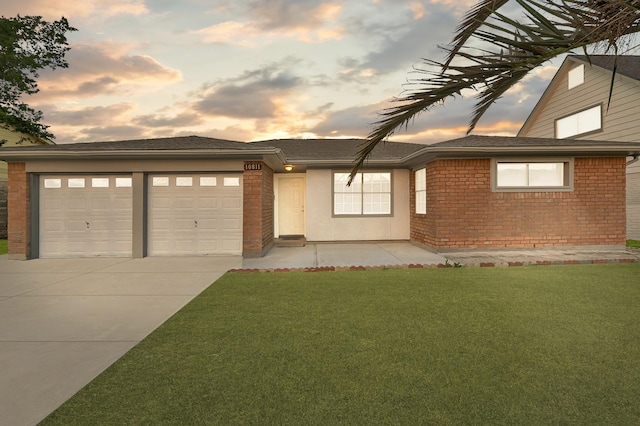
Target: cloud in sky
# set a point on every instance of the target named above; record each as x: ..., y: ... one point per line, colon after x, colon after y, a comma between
x: 251, y: 70
x: 102, y: 70
x: 53, y: 9
x: 308, y: 21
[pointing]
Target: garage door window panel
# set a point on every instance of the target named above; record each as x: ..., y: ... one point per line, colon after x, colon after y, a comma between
x: 231, y: 181
x: 208, y: 181
x: 184, y: 181
x: 160, y: 181
x: 123, y: 182
x: 75, y: 183
x: 100, y: 182
x: 52, y: 183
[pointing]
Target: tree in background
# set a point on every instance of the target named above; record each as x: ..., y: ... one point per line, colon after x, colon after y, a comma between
x: 27, y: 45
x: 491, y: 52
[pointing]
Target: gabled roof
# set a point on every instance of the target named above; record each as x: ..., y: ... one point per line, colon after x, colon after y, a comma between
x: 628, y: 66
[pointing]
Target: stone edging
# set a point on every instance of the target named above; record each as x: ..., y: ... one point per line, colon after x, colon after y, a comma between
x: 439, y: 265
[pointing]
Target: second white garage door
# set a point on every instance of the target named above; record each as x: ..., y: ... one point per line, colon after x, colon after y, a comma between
x: 194, y: 214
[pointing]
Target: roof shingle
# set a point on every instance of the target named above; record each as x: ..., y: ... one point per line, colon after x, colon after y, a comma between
x: 338, y: 149
x: 628, y: 65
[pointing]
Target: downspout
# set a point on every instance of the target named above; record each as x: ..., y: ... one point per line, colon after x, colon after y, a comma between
x: 635, y: 159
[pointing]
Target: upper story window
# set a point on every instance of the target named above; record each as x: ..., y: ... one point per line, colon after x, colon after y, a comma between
x: 369, y: 194
x: 576, y: 76
x: 421, y: 191
x: 538, y: 175
x: 579, y: 123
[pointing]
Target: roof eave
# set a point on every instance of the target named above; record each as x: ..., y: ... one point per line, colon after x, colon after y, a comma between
x: 24, y: 155
x: 398, y: 162
x: 432, y: 153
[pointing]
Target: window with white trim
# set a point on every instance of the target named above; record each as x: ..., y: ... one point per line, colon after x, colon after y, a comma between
x: 421, y: 191
x: 576, y: 76
x: 579, y: 123
x: 533, y: 175
x: 368, y: 194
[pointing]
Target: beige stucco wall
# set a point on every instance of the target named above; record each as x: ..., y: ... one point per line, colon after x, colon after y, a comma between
x: 321, y: 226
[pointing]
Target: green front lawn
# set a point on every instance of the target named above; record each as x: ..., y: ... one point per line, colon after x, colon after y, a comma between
x: 4, y: 248
x: 529, y: 345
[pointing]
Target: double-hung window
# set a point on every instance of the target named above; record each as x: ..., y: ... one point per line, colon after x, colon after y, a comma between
x: 533, y: 175
x: 368, y: 195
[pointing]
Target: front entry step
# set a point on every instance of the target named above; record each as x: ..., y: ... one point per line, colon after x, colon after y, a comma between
x: 290, y: 241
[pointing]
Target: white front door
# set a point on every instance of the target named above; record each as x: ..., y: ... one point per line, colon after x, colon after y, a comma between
x: 291, y: 205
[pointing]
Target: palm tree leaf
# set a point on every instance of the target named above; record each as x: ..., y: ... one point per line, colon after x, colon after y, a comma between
x: 509, y: 50
x: 472, y: 20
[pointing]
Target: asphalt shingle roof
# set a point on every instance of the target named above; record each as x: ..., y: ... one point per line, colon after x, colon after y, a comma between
x: 175, y: 143
x: 338, y: 149
x: 477, y: 141
x: 628, y: 65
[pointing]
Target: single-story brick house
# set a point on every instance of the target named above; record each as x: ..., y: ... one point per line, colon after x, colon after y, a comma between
x: 201, y: 196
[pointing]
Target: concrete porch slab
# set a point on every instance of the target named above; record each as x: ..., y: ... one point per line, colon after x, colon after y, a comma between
x: 343, y: 254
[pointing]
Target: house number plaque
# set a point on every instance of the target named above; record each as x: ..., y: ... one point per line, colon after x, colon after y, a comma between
x: 253, y: 166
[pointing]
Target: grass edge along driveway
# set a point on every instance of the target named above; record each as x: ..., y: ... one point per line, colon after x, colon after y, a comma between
x: 532, y: 345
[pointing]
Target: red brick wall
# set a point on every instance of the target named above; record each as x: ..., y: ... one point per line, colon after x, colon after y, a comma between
x: 258, y: 210
x: 18, y: 201
x: 462, y: 212
x: 3, y: 208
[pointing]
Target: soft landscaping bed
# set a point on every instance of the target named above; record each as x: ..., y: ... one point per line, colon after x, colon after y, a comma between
x: 530, y: 345
x: 3, y: 247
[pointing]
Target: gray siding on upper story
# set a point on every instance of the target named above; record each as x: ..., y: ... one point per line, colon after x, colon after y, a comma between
x: 620, y: 122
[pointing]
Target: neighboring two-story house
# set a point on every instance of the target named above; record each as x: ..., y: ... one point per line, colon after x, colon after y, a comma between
x: 576, y: 105
x: 10, y: 137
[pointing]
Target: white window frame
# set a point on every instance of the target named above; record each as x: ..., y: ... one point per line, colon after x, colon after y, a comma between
x: 568, y: 171
x: 583, y: 122
x: 361, y: 192
x: 421, y: 190
x: 575, y: 76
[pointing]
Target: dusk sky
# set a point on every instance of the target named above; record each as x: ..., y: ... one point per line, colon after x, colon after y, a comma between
x: 253, y: 70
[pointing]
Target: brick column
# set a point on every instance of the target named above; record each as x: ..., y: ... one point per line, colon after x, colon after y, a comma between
x: 19, y: 214
x: 257, y: 226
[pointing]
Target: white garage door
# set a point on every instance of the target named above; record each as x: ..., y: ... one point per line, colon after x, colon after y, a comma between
x: 85, y: 216
x: 195, y: 214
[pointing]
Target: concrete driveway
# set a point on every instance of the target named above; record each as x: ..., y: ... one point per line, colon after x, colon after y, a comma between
x: 64, y: 321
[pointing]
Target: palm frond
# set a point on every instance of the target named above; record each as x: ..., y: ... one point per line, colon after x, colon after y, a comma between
x: 509, y: 50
